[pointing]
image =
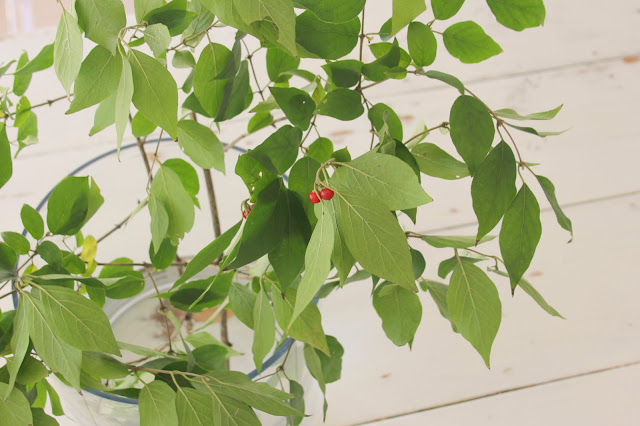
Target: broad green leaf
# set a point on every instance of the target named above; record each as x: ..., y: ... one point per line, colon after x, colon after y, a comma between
x: 405, y: 11
x: 418, y: 264
x: 381, y: 114
x: 520, y: 233
x: 207, y: 89
x: 445, y: 9
x: 155, y: 92
x: 183, y: 59
x: 446, y: 78
x: 265, y: 225
x: 14, y: 409
x: 454, y: 241
x: 438, y: 292
x: 105, y: 114
x: 16, y: 241
x: 143, y: 7
x: 297, y: 402
x: 435, y: 162
x: 32, y: 221
x: 544, y: 115
x: 278, y: 62
x: 197, y: 295
x: 296, y: 104
x: 49, y: 252
x: 493, y: 187
x: 264, y: 329
x: 472, y: 130
x: 165, y: 255
x: 341, y: 256
x: 196, y: 408
x: 59, y: 356
x: 302, y: 179
x: 278, y: 16
x: 102, y: 21
x: 531, y: 291
x: 317, y: 260
x: 103, y: 366
x: 157, y: 405
x: 400, y: 311
x: 468, y: 42
x: 448, y: 265
x: 124, y: 96
x: 174, y: 15
x: 67, y: 50
x: 201, y: 145
x: 382, y: 177
x: 307, y: 327
x: 382, y: 67
x: 207, y: 255
x: 325, y: 368
x: 42, y: 61
x: 475, y: 308
x: 259, y: 121
x: 343, y: 104
x: 518, y: 14
x: 234, y: 96
x: 374, y: 237
x: 334, y: 11
x: 242, y: 301
x: 31, y: 371
x: 72, y: 203
x: 279, y: 151
x: 40, y: 418
x: 97, y: 79
x: 550, y: 192
x: 19, y: 345
x: 326, y: 40
x: 141, y: 126
x: 321, y: 149
x: 77, y: 320
x: 345, y: 73
x: 158, y: 38
x: 255, y: 176
x: 159, y: 222
x: 21, y: 81
x: 422, y: 44
x: 167, y: 189
x: 261, y: 396
x: 6, y: 163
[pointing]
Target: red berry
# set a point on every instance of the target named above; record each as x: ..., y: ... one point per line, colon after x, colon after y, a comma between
x: 326, y: 194
x: 313, y: 197
x: 245, y: 214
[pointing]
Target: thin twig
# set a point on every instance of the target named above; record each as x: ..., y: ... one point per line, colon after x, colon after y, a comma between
x: 244, y: 135
x: 443, y: 124
x: 163, y: 309
x: 49, y: 103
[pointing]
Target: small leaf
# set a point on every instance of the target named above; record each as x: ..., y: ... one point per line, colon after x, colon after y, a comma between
x: 234, y: 96
x: 446, y: 78
x: 264, y: 327
x: 280, y: 15
x: 544, y: 115
x: 259, y: 121
x: 19, y: 346
x: 400, y: 311
x: 343, y: 104
x: 550, y: 191
x: 520, y: 234
x: 531, y: 291
x: 533, y: 131
x: 97, y: 79
x: 141, y: 126
x: 67, y: 51
x: 518, y: 14
x: 242, y: 301
x: 207, y: 89
x: 422, y: 44
x: 454, y: 241
x: 435, y: 162
x: 474, y: 306
x: 307, y: 327
x: 157, y: 405
x: 165, y: 255
x: 22, y: 81
x: 17, y: 242
x: 278, y: 62
x: 344, y: 73
x: 447, y: 266
x: 143, y: 7
x: 405, y: 11
x: 468, y: 42
x: 195, y: 408
x: 472, y: 130
x: 321, y: 149
x: 183, y: 59
x: 102, y: 21
x: 105, y: 115
x: 326, y: 40
x: 201, y: 145
x: 438, y: 292
x: 445, y: 9
x: 158, y: 38
x: 42, y: 61
x: 296, y: 104
x: 32, y: 221
x: 71, y: 204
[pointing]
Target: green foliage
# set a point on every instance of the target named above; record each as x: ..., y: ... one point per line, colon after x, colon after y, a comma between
x: 326, y: 40
x: 468, y: 42
x: 422, y: 44
x: 71, y: 204
x: 97, y: 79
x: 472, y: 130
x: 518, y: 14
x: 102, y: 21
x: 400, y: 311
x: 445, y: 9
x: 157, y: 404
x: 6, y: 163
x: 405, y: 11
x: 67, y: 50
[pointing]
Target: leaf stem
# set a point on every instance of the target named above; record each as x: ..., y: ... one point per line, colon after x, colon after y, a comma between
x: 163, y: 309
x: 441, y: 125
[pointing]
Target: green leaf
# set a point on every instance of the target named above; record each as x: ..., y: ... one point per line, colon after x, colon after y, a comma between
x: 40, y: 418
x: 103, y: 366
x: 207, y: 89
x: 32, y: 221
x: 67, y: 50
x: 157, y: 404
x: 278, y: 62
x: 454, y: 241
x: 183, y: 59
x: 374, y: 237
x: 259, y: 121
x: 445, y: 9
x: 19, y: 346
x: 197, y: 295
x: 302, y: 179
x: 141, y: 126
x: 255, y: 176
x: 493, y: 187
x: 165, y: 256
x: 17, y: 242
x: 334, y: 11
x: 21, y: 81
x: 158, y: 38
x: 345, y: 73
x: 381, y: 114
x: 278, y: 17
x: 325, y: 368
x: 383, y: 177
x: 72, y: 203
x: 550, y: 192
x: 531, y: 291
x: 446, y: 78
x: 422, y: 44
x: 435, y: 162
x: 261, y: 396
x: 42, y: 61
x: 381, y: 68
x: 321, y: 149
x: 234, y: 96
x: 97, y: 79
x: 6, y: 163
x: 159, y: 222
x: 279, y: 151
x: 520, y: 233
x: 124, y: 95
x: 77, y: 320
x: 544, y: 115
x: 343, y: 104
x: 264, y: 328
x: 59, y: 356
x: 307, y: 327
x: 167, y: 189
x: 400, y: 311
x: 27, y: 123
x: 448, y: 265
x: 195, y: 408
x: 242, y: 301
x: 105, y: 115
x: 142, y: 7
x: 31, y: 371
x: 49, y: 252
x: 201, y: 145
x: 296, y: 104
x: 418, y: 264
x: 326, y: 40
x: 102, y: 21
x: 475, y: 308
x: 472, y: 130
x: 518, y: 14
x: 438, y: 292
x: 468, y: 42
x: 405, y: 11
x: 533, y: 131
x: 317, y: 260
x: 174, y: 15
x: 14, y: 410
x: 296, y: 402
x: 155, y: 92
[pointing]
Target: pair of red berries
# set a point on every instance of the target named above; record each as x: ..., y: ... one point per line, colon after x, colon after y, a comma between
x: 325, y: 194
x: 245, y: 213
